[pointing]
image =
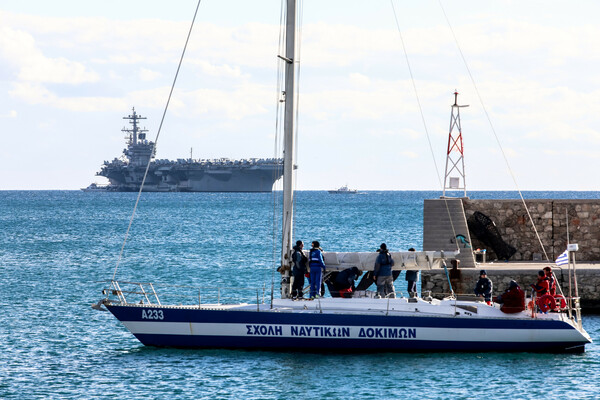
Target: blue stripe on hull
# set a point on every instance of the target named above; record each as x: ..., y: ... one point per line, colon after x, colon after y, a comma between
x: 125, y: 313
x: 350, y: 345
x: 341, y: 344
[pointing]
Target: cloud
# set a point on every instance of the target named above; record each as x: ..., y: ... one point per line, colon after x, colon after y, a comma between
x: 244, y: 101
x: 19, y: 49
x: 409, y: 154
x: 36, y: 94
x: 372, y: 99
x: 10, y: 114
x: 359, y: 79
x: 210, y: 69
x: 148, y: 74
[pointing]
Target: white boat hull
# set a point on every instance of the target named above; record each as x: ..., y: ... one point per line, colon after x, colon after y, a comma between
x: 351, y: 325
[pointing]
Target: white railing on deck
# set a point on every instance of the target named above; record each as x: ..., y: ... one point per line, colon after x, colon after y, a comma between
x: 146, y: 293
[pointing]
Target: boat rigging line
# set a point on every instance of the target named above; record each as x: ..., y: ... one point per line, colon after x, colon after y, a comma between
x: 487, y: 115
x: 300, y: 15
x: 414, y: 85
x: 156, y: 140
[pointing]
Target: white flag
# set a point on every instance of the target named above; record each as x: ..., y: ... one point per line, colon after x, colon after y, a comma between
x: 563, y: 259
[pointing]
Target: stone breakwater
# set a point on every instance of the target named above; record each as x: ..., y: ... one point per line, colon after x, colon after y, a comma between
x: 550, y: 220
x: 463, y: 280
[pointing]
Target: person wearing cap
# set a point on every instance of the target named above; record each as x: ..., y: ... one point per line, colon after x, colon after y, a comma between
x: 512, y: 300
x: 551, y: 280
x: 317, y: 267
x: 484, y: 287
x: 382, y: 274
x: 298, y: 270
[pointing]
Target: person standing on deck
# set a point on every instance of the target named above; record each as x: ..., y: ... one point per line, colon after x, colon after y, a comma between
x: 551, y: 281
x: 484, y: 287
x: 298, y: 270
x: 382, y: 274
x: 317, y: 267
x: 411, y: 279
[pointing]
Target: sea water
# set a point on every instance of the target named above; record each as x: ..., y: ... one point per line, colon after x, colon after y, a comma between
x: 56, y: 247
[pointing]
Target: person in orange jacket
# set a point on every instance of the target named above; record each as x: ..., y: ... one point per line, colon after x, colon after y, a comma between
x: 542, y: 286
x: 551, y: 281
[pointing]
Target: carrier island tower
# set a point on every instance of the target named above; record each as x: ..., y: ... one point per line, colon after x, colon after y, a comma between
x: 184, y: 175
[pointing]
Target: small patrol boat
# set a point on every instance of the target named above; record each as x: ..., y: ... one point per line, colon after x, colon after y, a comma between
x: 343, y: 190
x: 96, y: 187
x: 358, y: 324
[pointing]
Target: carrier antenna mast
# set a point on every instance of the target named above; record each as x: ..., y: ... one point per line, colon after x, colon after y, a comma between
x: 455, y: 154
x: 135, y: 134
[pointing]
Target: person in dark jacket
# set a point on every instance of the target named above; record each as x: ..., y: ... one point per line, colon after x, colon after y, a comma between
x: 551, y: 280
x: 317, y: 267
x: 382, y: 274
x: 542, y: 286
x: 343, y: 283
x: 298, y: 270
x: 512, y: 300
x: 411, y: 279
x: 484, y: 287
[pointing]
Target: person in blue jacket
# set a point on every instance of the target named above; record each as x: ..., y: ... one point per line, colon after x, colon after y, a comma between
x: 317, y: 267
x: 383, y: 273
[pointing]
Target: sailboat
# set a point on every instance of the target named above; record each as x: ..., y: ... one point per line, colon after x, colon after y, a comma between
x: 360, y: 323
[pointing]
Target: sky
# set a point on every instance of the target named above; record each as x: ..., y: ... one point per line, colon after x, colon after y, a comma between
x: 71, y: 69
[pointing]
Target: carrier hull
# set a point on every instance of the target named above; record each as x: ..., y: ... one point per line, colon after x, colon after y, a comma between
x: 194, y: 177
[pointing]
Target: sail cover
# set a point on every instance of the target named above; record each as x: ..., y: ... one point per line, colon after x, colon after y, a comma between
x: 403, y: 260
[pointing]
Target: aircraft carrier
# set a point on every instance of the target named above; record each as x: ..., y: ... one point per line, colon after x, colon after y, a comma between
x: 184, y: 175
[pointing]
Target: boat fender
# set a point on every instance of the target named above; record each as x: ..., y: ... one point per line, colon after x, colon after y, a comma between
x: 546, y: 303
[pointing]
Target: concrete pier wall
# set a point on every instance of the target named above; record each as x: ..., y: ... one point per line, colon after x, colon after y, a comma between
x: 550, y: 220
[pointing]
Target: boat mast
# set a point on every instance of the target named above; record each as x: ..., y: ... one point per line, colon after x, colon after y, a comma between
x: 288, y: 148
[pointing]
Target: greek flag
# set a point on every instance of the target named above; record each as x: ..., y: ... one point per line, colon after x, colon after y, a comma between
x: 563, y: 259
